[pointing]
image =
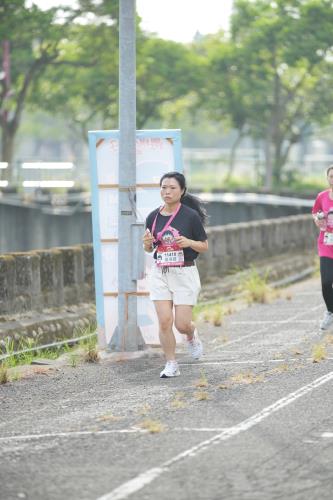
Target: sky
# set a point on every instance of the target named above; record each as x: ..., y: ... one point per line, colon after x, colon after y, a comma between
x: 174, y: 19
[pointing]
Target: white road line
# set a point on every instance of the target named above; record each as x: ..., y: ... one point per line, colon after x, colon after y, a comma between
x: 327, y: 435
x: 240, y: 339
x: 270, y: 321
x: 140, y: 481
x: 251, y: 362
x: 29, y: 437
x: 246, y: 362
x: 199, y: 429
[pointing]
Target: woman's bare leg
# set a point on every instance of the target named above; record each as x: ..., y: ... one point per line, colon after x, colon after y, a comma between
x: 183, y: 320
x: 165, y: 320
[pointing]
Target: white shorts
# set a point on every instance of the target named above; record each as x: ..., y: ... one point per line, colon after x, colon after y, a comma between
x: 181, y: 285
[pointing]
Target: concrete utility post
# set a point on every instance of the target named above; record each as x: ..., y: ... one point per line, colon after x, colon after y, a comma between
x: 127, y: 336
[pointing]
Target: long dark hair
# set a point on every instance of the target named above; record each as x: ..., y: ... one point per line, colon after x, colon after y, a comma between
x: 187, y: 199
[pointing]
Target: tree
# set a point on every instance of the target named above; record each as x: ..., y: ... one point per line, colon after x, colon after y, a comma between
x: 34, y: 39
x: 86, y: 91
x: 88, y: 96
x: 278, y: 70
x: 224, y: 94
x: 166, y: 72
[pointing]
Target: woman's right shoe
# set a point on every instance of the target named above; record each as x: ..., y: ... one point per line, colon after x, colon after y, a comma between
x: 327, y: 321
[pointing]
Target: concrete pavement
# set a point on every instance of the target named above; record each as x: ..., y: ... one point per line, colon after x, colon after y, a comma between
x: 252, y: 420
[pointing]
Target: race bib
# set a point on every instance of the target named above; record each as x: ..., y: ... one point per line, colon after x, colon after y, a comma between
x: 169, y: 257
x: 328, y: 238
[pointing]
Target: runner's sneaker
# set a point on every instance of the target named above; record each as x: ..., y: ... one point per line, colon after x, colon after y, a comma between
x: 194, y: 346
x: 327, y: 321
x: 171, y: 370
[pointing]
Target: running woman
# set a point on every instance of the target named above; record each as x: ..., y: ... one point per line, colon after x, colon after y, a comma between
x: 175, y: 233
x: 322, y: 212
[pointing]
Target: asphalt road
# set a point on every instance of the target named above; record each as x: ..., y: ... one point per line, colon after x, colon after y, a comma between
x: 265, y: 430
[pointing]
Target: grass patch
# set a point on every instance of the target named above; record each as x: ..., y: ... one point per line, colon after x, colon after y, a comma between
x: 73, y: 360
x: 15, y: 376
x: 255, y: 287
x: 177, y: 402
x: 318, y: 353
x: 201, y: 395
x: 10, y: 348
x: 211, y: 313
x: 109, y: 417
x: 90, y: 349
x: 152, y: 426
x: 202, y: 382
x: 246, y: 378
x: 26, y: 358
x: 4, y: 375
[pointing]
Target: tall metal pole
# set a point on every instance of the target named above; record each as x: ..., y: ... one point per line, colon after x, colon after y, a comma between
x: 127, y: 336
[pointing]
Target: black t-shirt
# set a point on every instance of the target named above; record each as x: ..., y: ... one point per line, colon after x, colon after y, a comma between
x: 187, y: 222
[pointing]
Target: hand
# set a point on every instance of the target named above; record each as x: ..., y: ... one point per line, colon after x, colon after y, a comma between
x: 148, y: 240
x: 183, y: 242
x: 320, y: 223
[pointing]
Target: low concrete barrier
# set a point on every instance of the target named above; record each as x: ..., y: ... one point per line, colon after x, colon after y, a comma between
x: 235, y: 246
x: 43, y: 279
x: 62, y: 276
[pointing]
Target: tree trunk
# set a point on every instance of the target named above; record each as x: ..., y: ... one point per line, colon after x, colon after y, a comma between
x: 7, y: 150
x: 232, y: 157
x: 278, y: 161
x: 268, y: 162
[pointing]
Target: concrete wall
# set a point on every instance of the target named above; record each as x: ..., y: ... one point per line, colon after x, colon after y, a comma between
x: 25, y: 227
x: 221, y: 213
x: 235, y: 246
x: 42, y: 279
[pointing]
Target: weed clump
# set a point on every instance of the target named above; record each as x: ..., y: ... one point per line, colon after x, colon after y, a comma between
x: 318, y: 353
x: 4, y: 377
x: 201, y: 395
x: 255, y: 287
x: 211, y: 313
x: 152, y: 426
x: 202, y: 382
x: 177, y: 402
x: 89, y: 346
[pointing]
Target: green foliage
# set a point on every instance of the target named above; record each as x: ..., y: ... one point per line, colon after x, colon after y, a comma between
x: 35, y: 42
x: 4, y: 377
x: 255, y: 287
x: 273, y: 78
x: 166, y: 72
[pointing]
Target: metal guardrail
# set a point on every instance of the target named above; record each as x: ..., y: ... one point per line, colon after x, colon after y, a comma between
x: 46, y: 346
x: 254, y: 198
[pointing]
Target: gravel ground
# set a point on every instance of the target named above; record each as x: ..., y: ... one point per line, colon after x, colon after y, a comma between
x: 259, y: 427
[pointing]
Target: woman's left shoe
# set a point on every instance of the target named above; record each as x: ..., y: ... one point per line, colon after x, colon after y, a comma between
x: 171, y: 370
x: 194, y: 346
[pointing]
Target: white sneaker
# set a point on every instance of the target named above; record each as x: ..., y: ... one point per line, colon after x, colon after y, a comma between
x: 327, y: 321
x: 194, y: 346
x: 171, y: 370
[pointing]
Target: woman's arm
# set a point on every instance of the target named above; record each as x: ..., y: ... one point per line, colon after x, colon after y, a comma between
x: 317, y: 208
x: 197, y: 246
